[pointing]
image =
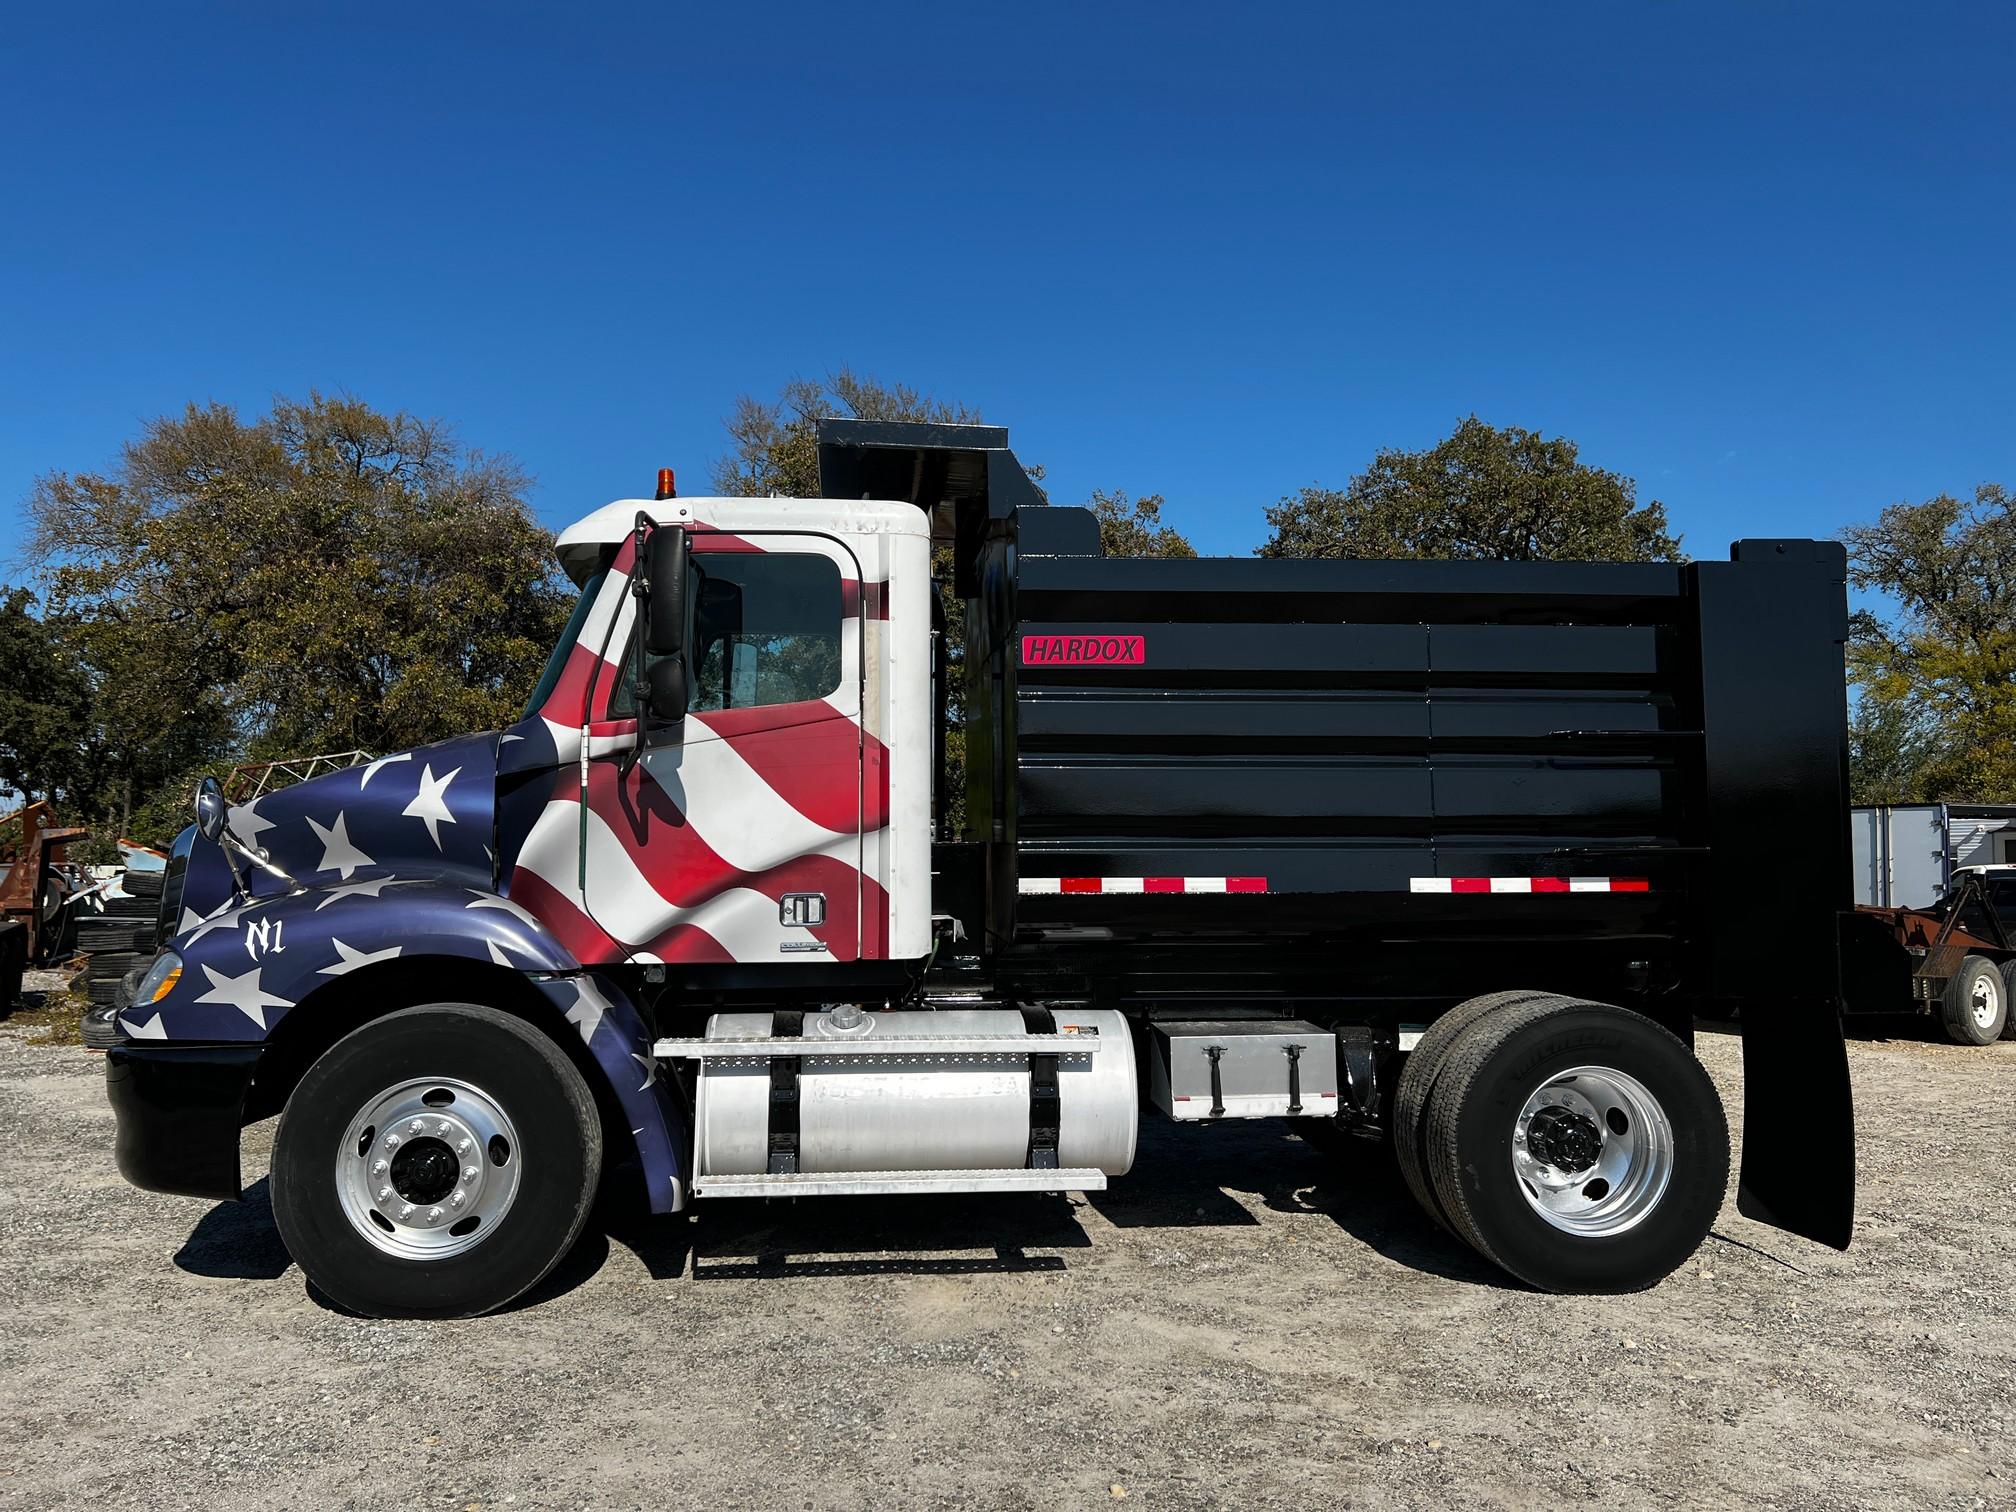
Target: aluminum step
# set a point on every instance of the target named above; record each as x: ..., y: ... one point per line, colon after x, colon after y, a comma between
x: 879, y: 1046
x: 898, y: 1183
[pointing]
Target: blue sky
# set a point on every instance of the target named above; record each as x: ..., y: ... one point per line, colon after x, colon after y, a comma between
x: 1758, y: 257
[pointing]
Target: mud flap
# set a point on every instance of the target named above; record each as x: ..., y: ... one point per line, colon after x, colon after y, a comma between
x: 1798, y: 1121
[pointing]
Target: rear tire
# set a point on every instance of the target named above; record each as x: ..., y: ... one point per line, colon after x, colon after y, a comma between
x: 510, y: 1139
x: 1417, y: 1084
x: 1975, y: 1005
x: 1578, y: 1146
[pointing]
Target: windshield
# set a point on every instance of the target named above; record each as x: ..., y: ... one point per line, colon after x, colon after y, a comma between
x: 557, y: 662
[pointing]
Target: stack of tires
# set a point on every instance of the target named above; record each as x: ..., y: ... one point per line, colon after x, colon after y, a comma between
x: 122, y: 937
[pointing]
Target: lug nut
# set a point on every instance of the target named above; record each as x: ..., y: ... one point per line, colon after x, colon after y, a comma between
x: 456, y: 1199
x: 391, y: 1141
x: 468, y: 1173
x: 443, y: 1126
x: 384, y: 1194
x: 380, y: 1167
x: 463, y: 1146
x: 405, y: 1211
x: 433, y: 1215
x: 418, y: 1126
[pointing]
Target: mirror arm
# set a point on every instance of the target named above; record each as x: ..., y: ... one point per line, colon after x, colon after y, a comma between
x: 258, y: 859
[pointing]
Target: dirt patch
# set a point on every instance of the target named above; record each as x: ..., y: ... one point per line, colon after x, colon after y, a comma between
x: 50, y: 1010
x: 1240, y: 1323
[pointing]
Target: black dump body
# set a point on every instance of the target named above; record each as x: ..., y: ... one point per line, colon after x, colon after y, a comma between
x: 1362, y: 791
x: 1401, y: 782
x: 1412, y: 780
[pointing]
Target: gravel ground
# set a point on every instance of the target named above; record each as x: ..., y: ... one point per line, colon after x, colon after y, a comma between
x: 1241, y: 1323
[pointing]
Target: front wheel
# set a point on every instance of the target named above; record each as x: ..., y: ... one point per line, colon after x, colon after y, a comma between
x: 437, y: 1162
x: 1579, y: 1146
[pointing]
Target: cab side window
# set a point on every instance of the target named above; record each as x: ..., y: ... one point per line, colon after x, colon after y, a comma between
x: 765, y: 630
x: 2002, y: 898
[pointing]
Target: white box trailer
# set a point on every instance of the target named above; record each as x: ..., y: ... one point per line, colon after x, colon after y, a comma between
x: 1905, y: 853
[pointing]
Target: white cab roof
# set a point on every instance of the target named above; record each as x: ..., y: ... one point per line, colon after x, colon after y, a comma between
x: 581, y: 544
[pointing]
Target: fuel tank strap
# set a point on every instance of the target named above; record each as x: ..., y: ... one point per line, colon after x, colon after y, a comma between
x: 1045, y: 1107
x: 783, y: 1161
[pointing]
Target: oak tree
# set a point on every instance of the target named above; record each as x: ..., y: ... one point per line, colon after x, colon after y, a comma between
x: 1936, y: 664
x: 1483, y: 492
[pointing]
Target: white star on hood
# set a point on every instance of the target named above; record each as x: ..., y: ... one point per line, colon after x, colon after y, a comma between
x: 430, y: 804
x: 371, y: 768
x: 589, y: 1006
x: 243, y: 993
x: 348, y: 959
x: 247, y: 825
x: 152, y: 1029
x: 494, y: 900
x: 338, y: 854
x: 223, y: 916
x: 650, y: 1069
x: 369, y: 889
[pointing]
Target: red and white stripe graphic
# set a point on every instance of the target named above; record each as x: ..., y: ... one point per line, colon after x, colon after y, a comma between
x: 1042, y: 885
x: 1528, y: 884
x: 690, y: 849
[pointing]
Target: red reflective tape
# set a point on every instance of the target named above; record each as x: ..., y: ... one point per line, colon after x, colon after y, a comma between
x: 1162, y: 884
x: 1246, y: 884
x: 1079, y: 885
x: 1630, y: 884
x: 1470, y: 884
x: 1550, y: 884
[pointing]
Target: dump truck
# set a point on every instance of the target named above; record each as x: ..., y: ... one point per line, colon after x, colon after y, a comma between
x: 1447, y: 854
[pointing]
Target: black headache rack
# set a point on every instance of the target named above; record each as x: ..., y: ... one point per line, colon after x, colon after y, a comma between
x: 1362, y: 791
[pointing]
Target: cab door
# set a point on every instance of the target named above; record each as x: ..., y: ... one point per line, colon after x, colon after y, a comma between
x: 741, y: 840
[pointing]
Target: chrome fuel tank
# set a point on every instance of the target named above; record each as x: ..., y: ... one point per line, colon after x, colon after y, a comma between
x: 932, y: 1112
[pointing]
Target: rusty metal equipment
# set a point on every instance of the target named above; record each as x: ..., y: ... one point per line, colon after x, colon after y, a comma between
x: 250, y: 779
x: 1894, y: 959
x: 33, y: 881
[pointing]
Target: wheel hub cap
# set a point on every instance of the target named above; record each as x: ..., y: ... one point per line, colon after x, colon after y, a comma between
x: 1984, y: 1001
x: 1592, y: 1151
x: 427, y: 1168
x: 1564, y: 1139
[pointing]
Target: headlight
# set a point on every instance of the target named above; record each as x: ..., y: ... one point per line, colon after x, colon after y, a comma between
x: 160, y: 979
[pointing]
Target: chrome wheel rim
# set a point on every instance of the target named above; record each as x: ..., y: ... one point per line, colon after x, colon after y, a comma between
x: 427, y: 1168
x: 1985, y: 1001
x: 1592, y: 1151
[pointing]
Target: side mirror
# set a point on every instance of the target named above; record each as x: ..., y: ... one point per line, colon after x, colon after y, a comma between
x: 212, y: 813
x: 665, y: 610
x: 664, y: 639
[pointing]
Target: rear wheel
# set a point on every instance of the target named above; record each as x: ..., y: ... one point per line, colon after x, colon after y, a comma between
x: 1975, y: 1005
x: 1579, y: 1146
x: 437, y: 1162
x: 1417, y: 1081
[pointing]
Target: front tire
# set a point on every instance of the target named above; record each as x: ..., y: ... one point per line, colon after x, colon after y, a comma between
x: 1975, y: 1005
x: 436, y: 1163
x: 1579, y: 1146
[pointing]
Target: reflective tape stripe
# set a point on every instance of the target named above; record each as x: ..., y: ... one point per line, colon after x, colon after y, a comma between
x: 1084, y: 886
x: 1038, y: 885
x: 1528, y: 884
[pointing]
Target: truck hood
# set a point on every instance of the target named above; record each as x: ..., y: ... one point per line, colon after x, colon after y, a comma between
x: 427, y: 813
